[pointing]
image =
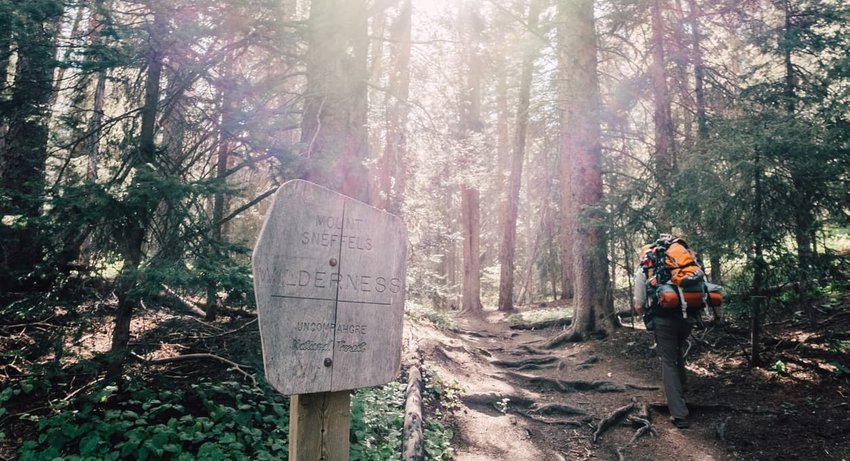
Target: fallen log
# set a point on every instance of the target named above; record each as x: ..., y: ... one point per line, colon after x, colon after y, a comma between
x: 413, y: 440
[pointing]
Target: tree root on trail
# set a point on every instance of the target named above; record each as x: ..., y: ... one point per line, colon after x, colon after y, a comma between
x: 721, y: 429
x: 476, y: 334
x: 588, y: 362
x: 550, y: 414
x: 568, y: 336
x: 570, y: 386
x: 555, y: 421
x: 532, y: 363
x: 644, y: 427
x: 612, y: 419
x: 494, y: 401
x: 484, y: 352
x: 543, y: 324
x: 712, y: 407
x: 556, y: 409
x: 641, y: 387
x: 522, y: 350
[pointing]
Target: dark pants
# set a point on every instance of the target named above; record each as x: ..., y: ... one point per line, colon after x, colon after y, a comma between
x: 670, y: 335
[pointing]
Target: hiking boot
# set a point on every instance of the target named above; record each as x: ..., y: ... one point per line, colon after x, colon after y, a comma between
x: 681, y: 423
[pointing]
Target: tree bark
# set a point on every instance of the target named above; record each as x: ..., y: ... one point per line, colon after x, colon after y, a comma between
x: 24, y: 156
x: 471, y: 218
x: 759, y: 267
x: 662, y: 118
x: 333, y: 128
x: 225, y: 136
x: 581, y: 144
x: 694, y: 15
x: 393, y: 175
x: 470, y: 123
x: 508, y: 248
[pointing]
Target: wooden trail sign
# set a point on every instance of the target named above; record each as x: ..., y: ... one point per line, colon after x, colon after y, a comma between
x: 329, y: 282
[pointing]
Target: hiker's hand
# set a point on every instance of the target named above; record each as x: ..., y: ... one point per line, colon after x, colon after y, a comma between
x: 639, y: 309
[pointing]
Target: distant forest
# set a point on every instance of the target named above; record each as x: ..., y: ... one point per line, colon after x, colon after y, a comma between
x: 530, y: 146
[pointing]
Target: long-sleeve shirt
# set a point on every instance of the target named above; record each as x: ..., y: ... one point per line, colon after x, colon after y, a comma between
x: 640, y: 288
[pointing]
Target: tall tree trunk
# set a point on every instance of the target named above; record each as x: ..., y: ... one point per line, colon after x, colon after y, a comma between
x: 471, y: 218
x: 227, y: 127
x: 66, y: 56
x: 24, y: 156
x: 5, y: 49
x: 581, y: 143
x: 5, y: 54
x: 393, y: 174
x: 694, y: 15
x: 95, y: 130
x: 470, y: 122
x: 333, y: 128
x: 502, y: 134
x: 664, y: 155
x: 759, y: 266
x: 508, y: 248
x: 568, y: 219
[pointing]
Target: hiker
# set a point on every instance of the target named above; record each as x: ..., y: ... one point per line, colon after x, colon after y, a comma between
x: 671, y: 323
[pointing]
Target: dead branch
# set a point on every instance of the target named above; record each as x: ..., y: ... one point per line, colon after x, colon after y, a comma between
x: 189, y: 305
x: 204, y: 356
x: 612, y: 419
x: 229, y: 332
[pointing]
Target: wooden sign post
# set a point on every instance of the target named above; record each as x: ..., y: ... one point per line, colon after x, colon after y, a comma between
x: 329, y: 281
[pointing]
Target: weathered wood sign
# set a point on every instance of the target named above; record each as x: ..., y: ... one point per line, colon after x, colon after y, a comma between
x: 329, y: 281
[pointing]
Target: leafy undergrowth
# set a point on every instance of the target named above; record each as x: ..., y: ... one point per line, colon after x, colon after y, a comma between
x: 205, y: 420
x: 377, y: 423
x: 58, y: 409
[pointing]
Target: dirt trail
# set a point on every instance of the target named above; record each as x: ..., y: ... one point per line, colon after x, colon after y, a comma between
x: 557, y: 398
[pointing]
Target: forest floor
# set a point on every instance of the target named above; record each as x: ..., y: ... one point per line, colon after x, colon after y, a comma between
x: 521, y: 402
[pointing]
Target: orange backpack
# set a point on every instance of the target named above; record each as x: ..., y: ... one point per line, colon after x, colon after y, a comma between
x: 670, y: 260
x: 675, y: 278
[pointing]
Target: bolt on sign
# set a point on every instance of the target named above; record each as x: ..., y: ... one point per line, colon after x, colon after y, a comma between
x: 329, y: 281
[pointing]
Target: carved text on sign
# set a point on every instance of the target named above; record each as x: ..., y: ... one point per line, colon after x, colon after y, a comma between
x: 329, y: 278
